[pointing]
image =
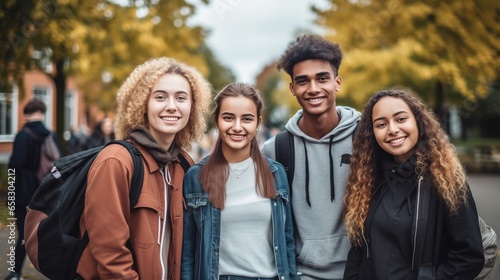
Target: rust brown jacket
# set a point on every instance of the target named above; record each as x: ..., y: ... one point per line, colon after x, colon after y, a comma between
x: 127, y: 244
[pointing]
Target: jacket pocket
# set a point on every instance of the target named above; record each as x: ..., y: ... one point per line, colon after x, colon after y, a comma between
x: 144, y: 226
x: 426, y: 272
x: 196, y: 200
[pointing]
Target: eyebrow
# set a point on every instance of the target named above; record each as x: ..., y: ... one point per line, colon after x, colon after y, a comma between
x: 395, y: 114
x: 232, y: 114
x: 164, y: 91
x: 317, y: 75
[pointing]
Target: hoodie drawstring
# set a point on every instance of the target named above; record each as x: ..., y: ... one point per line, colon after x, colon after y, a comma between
x: 307, y: 173
x: 332, y: 183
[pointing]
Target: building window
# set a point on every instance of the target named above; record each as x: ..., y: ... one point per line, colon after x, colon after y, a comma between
x: 70, y: 110
x: 44, y: 94
x: 8, y: 115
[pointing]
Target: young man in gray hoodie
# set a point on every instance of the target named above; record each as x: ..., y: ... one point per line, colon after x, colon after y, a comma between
x: 322, y: 133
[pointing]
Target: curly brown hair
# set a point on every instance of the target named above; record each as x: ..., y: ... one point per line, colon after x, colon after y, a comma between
x: 133, y: 96
x: 435, y: 156
x: 310, y: 46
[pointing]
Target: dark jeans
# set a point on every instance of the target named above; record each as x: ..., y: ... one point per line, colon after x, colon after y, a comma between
x: 233, y: 277
x: 20, y: 213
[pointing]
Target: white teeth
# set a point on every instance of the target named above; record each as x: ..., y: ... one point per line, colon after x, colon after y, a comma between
x: 315, y: 99
x: 170, y: 118
x: 237, y: 136
x: 397, y: 141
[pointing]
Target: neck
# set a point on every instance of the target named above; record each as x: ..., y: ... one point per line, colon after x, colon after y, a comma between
x: 317, y: 126
x: 235, y: 155
x: 35, y: 117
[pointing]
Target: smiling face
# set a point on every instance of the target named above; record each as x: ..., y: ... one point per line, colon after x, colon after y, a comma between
x: 315, y: 86
x: 237, y: 122
x: 395, y: 127
x: 168, y: 108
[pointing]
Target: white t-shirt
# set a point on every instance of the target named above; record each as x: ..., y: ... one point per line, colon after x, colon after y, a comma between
x: 246, y: 226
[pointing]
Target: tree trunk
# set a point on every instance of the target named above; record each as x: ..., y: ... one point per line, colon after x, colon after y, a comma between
x: 438, y: 105
x: 60, y: 82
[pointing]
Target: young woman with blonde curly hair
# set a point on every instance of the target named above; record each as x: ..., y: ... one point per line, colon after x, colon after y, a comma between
x: 409, y: 211
x: 161, y: 109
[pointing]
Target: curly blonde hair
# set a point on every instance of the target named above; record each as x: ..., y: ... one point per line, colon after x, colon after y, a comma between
x: 435, y: 157
x: 133, y: 96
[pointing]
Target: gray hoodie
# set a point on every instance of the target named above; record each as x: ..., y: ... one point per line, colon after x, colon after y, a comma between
x: 320, y: 236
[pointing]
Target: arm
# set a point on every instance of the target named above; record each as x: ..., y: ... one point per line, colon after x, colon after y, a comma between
x: 20, y: 151
x: 290, y: 244
x: 190, y: 231
x: 106, y: 215
x: 290, y: 240
x: 465, y: 258
x: 353, y: 264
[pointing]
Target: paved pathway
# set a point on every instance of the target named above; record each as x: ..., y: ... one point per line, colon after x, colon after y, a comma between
x: 29, y: 271
x: 486, y: 191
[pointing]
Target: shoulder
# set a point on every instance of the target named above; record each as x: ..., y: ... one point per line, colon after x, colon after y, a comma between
x: 268, y: 149
x: 22, y: 135
x: 275, y: 166
x: 348, y: 113
x: 114, y: 152
x: 195, y: 168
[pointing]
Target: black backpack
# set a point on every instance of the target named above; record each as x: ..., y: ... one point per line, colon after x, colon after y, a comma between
x: 285, y: 153
x: 49, y: 153
x: 52, y: 227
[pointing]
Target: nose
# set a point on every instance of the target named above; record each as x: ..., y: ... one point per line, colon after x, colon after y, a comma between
x: 237, y: 126
x: 393, y: 128
x: 313, y: 86
x: 170, y: 105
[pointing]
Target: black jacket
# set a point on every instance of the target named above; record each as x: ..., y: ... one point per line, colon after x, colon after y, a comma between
x: 444, y: 246
x: 25, y: 159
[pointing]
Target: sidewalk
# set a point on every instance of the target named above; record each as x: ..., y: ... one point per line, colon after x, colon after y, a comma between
x: 29, y: 272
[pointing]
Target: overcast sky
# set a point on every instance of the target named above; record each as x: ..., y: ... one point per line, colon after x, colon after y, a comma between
x: 249, y: 34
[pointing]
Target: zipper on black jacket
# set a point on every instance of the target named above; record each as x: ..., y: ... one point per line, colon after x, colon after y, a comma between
x: 417, y: 215
x: 366, y: 237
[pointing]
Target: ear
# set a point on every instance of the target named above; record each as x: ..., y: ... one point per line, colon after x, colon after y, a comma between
x: 291, y: 88
x: 338, y: 83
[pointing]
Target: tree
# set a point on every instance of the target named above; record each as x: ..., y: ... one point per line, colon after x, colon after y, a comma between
x: 445, y: 50
x: 99, y: 42
x: 279, y: 102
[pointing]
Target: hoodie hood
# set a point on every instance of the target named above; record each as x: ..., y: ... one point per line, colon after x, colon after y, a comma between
x: 348, y: 121
x: 38, y: 129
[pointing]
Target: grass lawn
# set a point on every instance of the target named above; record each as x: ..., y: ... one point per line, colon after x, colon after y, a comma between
x: 478, y: 142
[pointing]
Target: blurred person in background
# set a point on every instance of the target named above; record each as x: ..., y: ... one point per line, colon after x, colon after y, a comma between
x: 25, y: 160
x: 101, y: 134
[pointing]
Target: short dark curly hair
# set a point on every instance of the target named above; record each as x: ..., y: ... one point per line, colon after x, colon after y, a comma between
x: 310, y: 46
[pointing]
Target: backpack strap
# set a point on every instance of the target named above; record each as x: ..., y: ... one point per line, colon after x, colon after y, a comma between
x: 33, y: 135
x: 285, y: 153
x: 138, y: 175
x: 184, y: 162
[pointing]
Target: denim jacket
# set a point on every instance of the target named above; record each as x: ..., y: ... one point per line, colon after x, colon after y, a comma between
x: 200, y: 250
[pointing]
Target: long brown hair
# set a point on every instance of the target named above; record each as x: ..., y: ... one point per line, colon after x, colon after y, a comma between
x: 214, y: 173
x: 435, y: 156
